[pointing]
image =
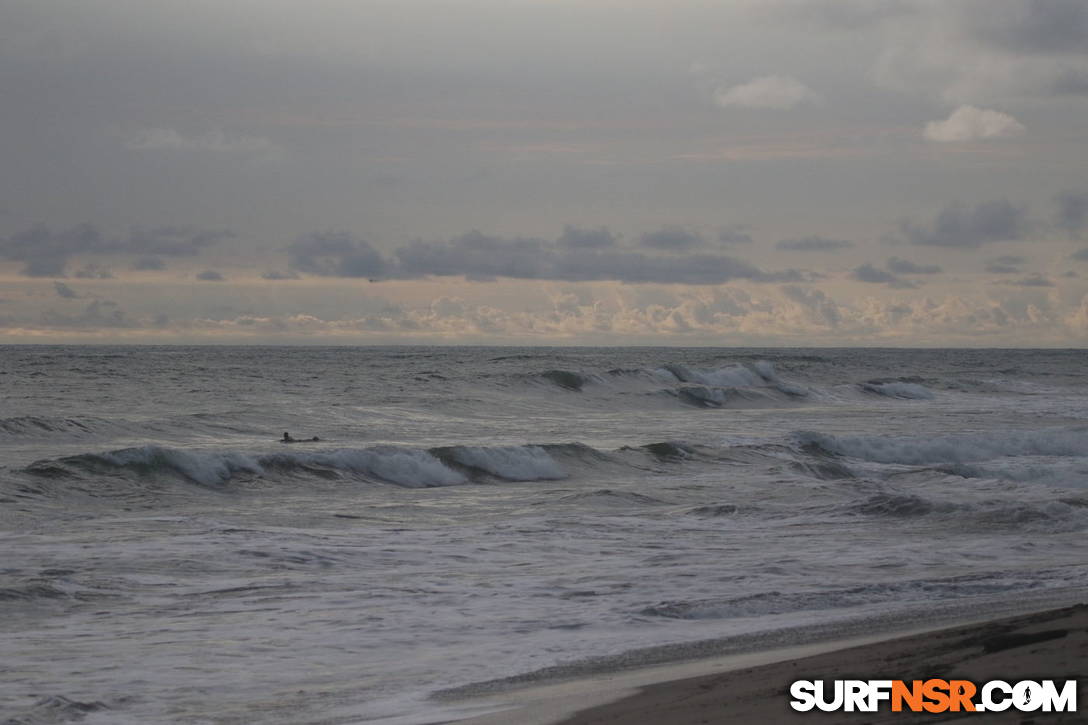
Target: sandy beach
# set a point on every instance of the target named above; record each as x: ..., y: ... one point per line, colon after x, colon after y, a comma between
x: 1046, y: 645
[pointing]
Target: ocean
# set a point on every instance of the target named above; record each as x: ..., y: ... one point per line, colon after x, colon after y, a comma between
x: 472, y: 517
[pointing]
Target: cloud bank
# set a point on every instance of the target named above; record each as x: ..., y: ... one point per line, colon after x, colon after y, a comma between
x: 46, y: 253
x: 969, y: 227
x: 477, y: 256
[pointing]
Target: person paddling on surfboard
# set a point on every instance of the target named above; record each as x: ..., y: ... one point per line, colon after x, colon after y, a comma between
x: 288, y: 439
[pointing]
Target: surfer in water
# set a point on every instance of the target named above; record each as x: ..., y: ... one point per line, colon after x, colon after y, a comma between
x: 288, y: 439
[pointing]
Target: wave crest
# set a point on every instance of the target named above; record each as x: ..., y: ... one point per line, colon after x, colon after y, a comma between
x: 950, y: 448
x: 408, y: 467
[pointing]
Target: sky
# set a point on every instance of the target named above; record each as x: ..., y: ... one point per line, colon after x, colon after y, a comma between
x: 553, y: 172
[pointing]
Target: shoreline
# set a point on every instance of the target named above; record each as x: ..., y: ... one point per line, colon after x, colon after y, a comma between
x: 1051, y: 644
x: 752, y: 685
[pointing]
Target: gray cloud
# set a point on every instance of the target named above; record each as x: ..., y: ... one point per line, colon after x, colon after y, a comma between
x: 210, y: 275
x: 821, y: 307
x: 1006, y: 264
x: 183, y: 241
x: 277, y: 275
x: 1070, y: 82
x: 480, y: 257
x: 578, y: 238
x: 99, y: 313
x: 958, y: 225
x: 904, y: 266
x: 46, y: 253
x: 336, y: 254
x: 673, y: 239
x: 1032, y: 280
x: 65, y: 291
x: 1045, y: 27
x: 875, y: 275
x: 737, y: 234
x: 814, y: 244
x: 983, y: 51
x: 1072, y: 212
x: 1081, y: 255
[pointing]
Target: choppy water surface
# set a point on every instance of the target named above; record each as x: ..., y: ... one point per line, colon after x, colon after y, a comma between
x: 471, y: 514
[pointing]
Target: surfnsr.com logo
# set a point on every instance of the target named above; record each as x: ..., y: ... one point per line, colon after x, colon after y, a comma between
x: 934, y: 695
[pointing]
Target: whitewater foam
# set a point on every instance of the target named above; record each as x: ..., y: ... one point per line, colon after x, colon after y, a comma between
x: 513, y: 463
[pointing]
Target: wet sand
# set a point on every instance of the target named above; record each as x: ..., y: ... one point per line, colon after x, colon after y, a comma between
x: 1045, y: 645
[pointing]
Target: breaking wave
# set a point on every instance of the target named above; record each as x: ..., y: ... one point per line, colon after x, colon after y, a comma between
x: 906, y: 391
x: 408, y: 467
x: 751, y: 385
x: 512, y: 463
x: 952, y: 448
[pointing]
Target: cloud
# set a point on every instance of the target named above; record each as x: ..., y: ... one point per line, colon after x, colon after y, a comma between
x: 672, y: 239
x: 97, y: 314
x: 875, y: 275
x: 969, y: 227
x: 479, y: 257
x: 181, y: 241
x: 970, y: 52
x: 736, y: 234
x: 210, y: 275
x: 978, y: 51
x: 1032, y: 280
x: 1081, y: 255
x: 968, y: 123
x: 814, y: 244
x: 65, y: 291
x: 1007, y: 264
x: 903, y: 266
x: 578, y: 238
x: 1072, y: 212
x: 1029, y: 27
x: 336, y: 254
x: 46, y: 253
x: 276, y: 275
x: 592, y: 314
x: 822, y: 308
x: 773, y: 92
